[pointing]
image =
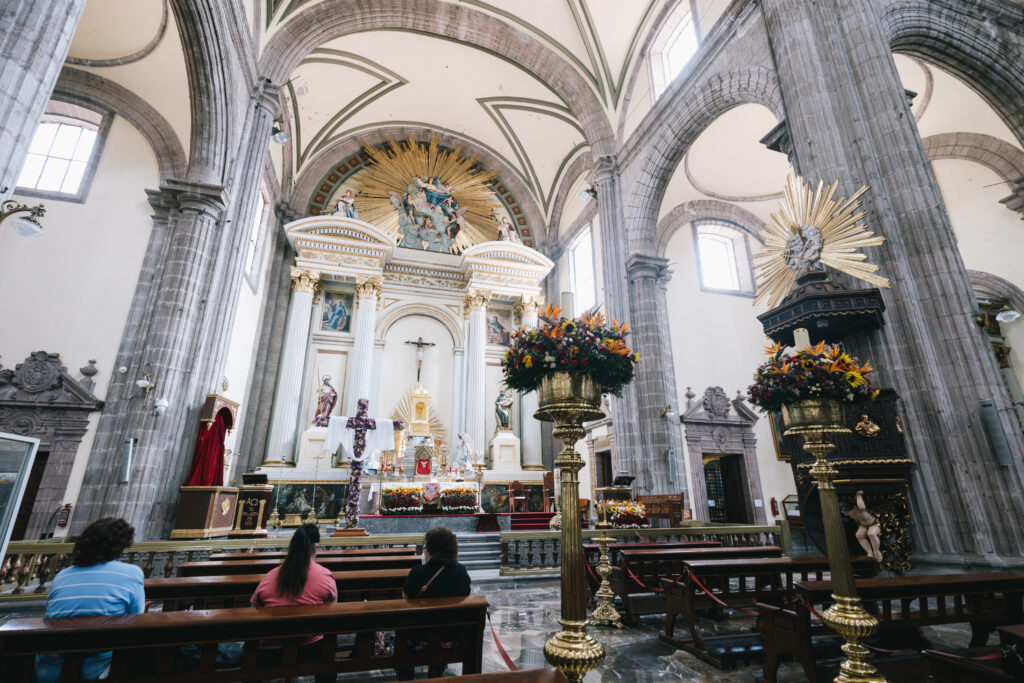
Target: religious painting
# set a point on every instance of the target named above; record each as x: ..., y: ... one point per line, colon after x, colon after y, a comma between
x: 534, y: 497
x: 494, y: 498
x: 778, y: 429
x: 297, y: 497
x: 499, y: 326
x: 337, y: 316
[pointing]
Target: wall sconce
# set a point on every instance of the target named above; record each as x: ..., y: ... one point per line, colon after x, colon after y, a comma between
x: 278, y: 134
x: 160, y: 406
x: 145, y: 383
x: 26, y: 226
x: 1007, y: 314
x: 587, y: 194
x: 668, y: 412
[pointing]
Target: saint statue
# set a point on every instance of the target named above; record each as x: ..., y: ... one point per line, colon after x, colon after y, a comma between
x: 326, y: 398
x: 507, y: 231
x: 867, y: 427
x: 503, y: 410
x: 869, y: 531
x: 346, y: 206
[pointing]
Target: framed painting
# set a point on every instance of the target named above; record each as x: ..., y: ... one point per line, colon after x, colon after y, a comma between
x: 534, y: 497
x: 337, y: 312
x: 296, y: 497
x: 499, y: 325
x: 494, y: 498
x: 775, y: 420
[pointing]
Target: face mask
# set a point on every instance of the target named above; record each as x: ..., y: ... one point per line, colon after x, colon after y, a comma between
x: 424, y: 558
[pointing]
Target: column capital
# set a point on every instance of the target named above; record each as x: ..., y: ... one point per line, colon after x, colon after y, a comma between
x: 475, y: 300
x: 647, y: 267
x: 267, y: 96
x: 779, y: 140
x: 606, y: 168
x: 369, y: 288
x: 286, y: 213
x: 197, y: 197
x: 1015, y: 201
x: 305, y: 280
x: 527, y: 307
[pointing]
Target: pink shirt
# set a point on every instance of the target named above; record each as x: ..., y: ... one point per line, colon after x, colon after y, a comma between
x: 320, y: 588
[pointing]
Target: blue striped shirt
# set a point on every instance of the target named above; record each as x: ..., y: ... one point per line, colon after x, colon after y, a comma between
x: 109, y: 588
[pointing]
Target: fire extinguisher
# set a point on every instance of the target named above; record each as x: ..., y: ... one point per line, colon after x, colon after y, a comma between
x: 775, y: 508
x: 63, y: 515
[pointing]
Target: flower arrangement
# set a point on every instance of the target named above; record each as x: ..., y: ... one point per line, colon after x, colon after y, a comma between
x: 458, y: 501
x: 627, y: 514
x: 816, y: 372
x: 585, y: 346
x: 402, y: 500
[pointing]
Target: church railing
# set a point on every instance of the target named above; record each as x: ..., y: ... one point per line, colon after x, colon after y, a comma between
x: 29, y: 566
x: 537, y: 552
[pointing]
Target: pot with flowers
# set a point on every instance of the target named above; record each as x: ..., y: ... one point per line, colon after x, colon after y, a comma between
x: 627, y: 514
x: 570, y: 363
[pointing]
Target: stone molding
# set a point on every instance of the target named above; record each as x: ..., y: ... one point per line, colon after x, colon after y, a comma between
x: 647, y: 267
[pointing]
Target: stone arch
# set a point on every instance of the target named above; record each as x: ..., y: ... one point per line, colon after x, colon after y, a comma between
x: 446, y: 318
x: 1001, y: 157
x: 688, y: 113
x: 579, y: 166
x: 330, y: 19
x: 308, y: 180
x: 697, y: 209
x: 972, y: 45
x: 87, y: 88
x: 997, y: 285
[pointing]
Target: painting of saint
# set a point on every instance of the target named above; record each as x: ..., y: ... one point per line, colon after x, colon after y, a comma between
x: 494, y: 498
x: 498, y: 327
x: 337, y: 315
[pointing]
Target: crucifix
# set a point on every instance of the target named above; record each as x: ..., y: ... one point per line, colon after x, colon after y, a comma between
x: 419, y: 344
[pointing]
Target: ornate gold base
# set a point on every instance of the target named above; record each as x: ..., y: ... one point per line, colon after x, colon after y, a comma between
x: 847, y: 618
x: 274, y: 522
x: 573, y: 650
x: 278, y: 463
x: 310, y: 517
x: 605, y: 612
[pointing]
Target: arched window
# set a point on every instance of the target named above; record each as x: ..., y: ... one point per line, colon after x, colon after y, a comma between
x: 252, y: 253
x: 64, y: 152
x: 723, y: 257
x: 675, y: 46
x: 581, y: 271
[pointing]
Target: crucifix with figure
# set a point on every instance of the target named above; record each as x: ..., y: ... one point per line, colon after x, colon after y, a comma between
x: 419, y: 344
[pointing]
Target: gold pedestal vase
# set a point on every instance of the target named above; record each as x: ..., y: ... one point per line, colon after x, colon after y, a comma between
x: 816, y: 420
x: 569, y: 401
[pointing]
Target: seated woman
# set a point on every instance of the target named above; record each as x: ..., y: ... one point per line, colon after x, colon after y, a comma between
x: 440, y: 576
x: 95, y: 584
x: 298, y: 581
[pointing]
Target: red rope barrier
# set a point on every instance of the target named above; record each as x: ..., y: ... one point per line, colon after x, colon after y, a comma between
x: 591, y: 571
x: 989, y: 656
x: 715, y: 598
x: 501, y: 650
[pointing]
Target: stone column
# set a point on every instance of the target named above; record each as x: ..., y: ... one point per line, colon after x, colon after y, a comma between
x: 528, y: 309
x: 476, y: 366
x: 848, y: 118
x: 655, y: 379
x: 365, y: 323
x: 34, y: 41
x: 284, y: 416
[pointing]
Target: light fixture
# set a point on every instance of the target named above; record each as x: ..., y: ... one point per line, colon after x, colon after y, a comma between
x: 160, y: 406
x: 279, y: 134
x: 586, y: 194
x: 26, y: 226
x: 145, y: 382
x: 668, y: 412
x: 1007, y: 315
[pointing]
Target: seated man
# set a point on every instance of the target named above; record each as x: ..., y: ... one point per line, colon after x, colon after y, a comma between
x: 95, y: 584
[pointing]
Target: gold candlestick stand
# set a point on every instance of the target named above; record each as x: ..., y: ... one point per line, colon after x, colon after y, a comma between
x: 569, y: 401
x: 816, y: 420
x: 605, y: 612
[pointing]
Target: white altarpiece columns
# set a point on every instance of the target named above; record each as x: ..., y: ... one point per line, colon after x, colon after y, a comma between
x: 368, y: 292
x: 475, y: 306
x: 284, y: 416
x: 528, y: 310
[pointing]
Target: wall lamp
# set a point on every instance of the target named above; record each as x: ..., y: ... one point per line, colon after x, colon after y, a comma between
x: 26, y: 226
x: 278, y: 134
x: 668, y: 412
x: 145, y: 382
x: 587, y: 194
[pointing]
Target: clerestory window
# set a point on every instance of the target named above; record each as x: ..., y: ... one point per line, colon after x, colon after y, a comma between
x: 64, y: 152
x: 723, y: 257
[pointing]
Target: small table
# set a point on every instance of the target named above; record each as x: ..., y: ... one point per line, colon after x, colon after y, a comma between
x: 487, y: 521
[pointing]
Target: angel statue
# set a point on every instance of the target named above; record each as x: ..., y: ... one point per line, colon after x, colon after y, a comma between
x: 326, y: 398
x: 503, y: 410
x: 507, y: 231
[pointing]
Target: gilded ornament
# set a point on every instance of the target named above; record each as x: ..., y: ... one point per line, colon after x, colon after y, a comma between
x: 305, y: 279
x: 867, y: 427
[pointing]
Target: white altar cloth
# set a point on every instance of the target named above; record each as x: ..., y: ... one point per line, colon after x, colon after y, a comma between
x: 380, y: 439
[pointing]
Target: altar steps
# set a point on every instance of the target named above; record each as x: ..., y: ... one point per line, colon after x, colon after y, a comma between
x: 530, y: 521
x: 480, y: 551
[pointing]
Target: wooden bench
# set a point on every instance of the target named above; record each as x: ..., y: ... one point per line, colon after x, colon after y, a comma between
x: 145, y: 645
x: 531, y: 676
x: 901, y: 604
x: 949, y: 668
x: 738, y: 583
x: 335, y: 564
x: 279, y: 555
x: 650, y: 565
x: 210, y: 592
x: 592, y: 553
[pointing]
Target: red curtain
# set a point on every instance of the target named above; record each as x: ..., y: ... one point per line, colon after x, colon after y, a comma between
x: 208, y: 461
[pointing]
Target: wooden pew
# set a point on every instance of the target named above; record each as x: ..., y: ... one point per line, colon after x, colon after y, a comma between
x: 144, y: 645
x: 211, y: 592
x: 531, y: 676
x: 592, y: 553
x: 738, y: 583
x: 650, y: 565
x: 279, y: 555
x: 901, y: 604
x: 335, y: 564
x: 949, y: 668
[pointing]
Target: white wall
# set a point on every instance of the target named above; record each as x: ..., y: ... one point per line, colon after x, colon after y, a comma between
x: 69, y: 291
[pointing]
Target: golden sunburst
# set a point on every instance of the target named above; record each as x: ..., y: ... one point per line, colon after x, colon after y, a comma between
x: 388, y: 180
x: 813, y: 230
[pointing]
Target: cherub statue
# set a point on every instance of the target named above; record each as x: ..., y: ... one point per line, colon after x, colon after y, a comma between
x: 869, y: 531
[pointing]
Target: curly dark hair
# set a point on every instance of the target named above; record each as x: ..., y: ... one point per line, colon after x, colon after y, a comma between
x: 442, y: 545
x: 102, y: 541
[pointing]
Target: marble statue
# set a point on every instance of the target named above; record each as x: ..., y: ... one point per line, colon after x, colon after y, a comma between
x: 327, y: 397
x: 507, y: 231
x: 346, y: 206
x: 503, y: 410
x: 869, y: 531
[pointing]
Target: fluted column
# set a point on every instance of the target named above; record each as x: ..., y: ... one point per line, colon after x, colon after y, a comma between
x: 284, y: 416
x: 358, y: 385
x: 848, y: 119
x: 476, y: 366
x: 528, y: 308
x: 34, y: 41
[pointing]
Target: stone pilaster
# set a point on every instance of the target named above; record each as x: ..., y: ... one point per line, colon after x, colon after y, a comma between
x: 475, y: 304
x: 528, y: 310
x: 34, y: 41
x: 848, y: 118
x: 284, y: 416
x: 367, y: 296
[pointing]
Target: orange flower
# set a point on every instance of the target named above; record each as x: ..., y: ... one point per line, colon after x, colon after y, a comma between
x: 815, y: 351
x: 552, y: 311
x: 616, y: 346
x: 773, y: 349
x: 592, y: 320
x: 623, y: 328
